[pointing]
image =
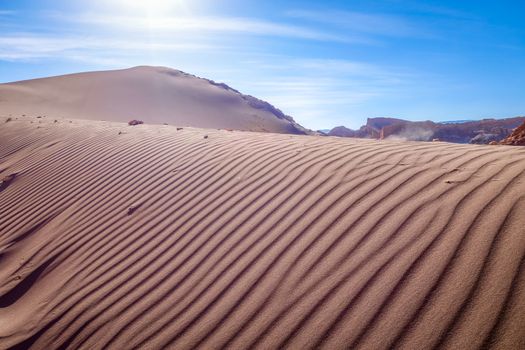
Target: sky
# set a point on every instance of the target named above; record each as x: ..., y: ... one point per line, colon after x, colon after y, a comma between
x: 325, y: 63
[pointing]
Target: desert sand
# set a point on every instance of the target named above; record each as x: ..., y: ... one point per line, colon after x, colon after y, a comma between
x: 155, y: 95
x: 113, y: 236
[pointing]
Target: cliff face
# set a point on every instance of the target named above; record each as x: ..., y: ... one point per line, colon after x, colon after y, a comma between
x: 479, y: 132
x: 517, y: 138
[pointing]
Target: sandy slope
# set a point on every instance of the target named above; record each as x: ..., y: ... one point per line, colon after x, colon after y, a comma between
x: 152, y: 94
x: 160, y: 237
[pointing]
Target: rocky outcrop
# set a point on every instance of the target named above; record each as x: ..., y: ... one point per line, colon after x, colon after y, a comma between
x: 517, y: 138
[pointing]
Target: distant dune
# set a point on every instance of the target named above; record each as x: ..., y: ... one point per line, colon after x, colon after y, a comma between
x: 115, y: 236
x: 152, y: 94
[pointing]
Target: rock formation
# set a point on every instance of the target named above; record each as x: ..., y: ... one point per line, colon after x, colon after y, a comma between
x: 517, y: 138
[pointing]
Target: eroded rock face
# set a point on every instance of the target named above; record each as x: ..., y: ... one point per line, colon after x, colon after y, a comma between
x: 479, y: 131
x: 517, y: 138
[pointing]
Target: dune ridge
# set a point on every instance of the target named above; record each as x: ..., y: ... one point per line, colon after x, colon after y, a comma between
x: 114, y: 236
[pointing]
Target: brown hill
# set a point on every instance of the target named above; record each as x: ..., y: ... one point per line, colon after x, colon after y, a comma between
x: 152, y: 94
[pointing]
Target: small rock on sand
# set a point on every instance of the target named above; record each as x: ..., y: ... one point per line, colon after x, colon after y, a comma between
x: 6, y: 181
x: 135, y: 122
x: 132, y: 209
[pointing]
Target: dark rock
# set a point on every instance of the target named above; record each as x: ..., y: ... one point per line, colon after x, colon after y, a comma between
x: 132, y: 209
x: 135, y: 122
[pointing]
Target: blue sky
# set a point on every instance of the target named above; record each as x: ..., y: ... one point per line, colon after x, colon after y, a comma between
x: 325, y: 63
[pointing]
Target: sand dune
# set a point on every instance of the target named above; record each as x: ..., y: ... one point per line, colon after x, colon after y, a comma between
x: 155, y: 95
x: 150, y: 237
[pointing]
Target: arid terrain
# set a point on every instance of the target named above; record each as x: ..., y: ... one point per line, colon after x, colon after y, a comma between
x: 166, y: 236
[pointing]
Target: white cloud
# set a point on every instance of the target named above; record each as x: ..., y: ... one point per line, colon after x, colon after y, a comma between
x: 210, y: 24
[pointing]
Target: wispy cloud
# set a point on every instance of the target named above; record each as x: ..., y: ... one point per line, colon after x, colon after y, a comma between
x: 24, y: 46
x: 169, y: 33
x: 14, y: 47
x: 363, y: 22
